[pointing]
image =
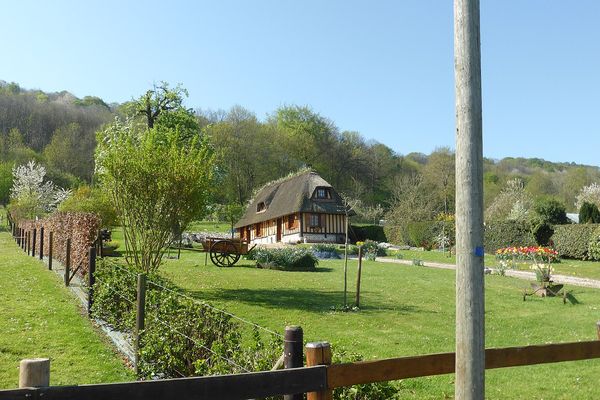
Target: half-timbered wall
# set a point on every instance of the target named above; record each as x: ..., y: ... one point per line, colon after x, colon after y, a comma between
x: 298, y: 227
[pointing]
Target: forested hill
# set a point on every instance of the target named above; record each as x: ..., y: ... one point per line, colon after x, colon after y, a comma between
x: 58, y: 130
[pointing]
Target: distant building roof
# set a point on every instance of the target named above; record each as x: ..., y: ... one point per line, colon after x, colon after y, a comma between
x: 289, y: 196
x: 573, y: 217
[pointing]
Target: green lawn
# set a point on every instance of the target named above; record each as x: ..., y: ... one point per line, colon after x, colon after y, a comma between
x: 406, y: 310
x: 582, y: 269
x: 39, y: 317
x: 209, y: 226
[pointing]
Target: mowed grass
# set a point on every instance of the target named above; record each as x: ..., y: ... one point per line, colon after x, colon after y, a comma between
x: 39, y: 317
x: 406, y: 310
x: 578, y: 268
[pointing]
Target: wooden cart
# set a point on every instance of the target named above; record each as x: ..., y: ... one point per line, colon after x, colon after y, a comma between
x: 225, y: 252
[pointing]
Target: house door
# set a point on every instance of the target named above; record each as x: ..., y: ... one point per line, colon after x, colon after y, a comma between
x: 248, y: 238
x: 279, y: 223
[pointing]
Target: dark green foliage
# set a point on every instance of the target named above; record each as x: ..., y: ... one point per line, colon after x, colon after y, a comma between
x: 542, y: 231
x: 594, y: 245
x: 551, y: 211
x: 572, y: 241
x: 183, y: 337
x: 589, y: 214
x: 6, y: 181
x: 361, y: 233
x: 288, y: 259
x: 501, y: 234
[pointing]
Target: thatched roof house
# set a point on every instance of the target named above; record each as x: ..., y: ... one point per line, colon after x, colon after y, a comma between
x: 300, y: 208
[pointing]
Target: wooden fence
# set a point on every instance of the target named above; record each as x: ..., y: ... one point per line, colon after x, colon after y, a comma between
x: 320, y: 380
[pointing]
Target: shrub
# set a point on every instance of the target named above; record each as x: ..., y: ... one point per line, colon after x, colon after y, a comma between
x: 572, y: 241
x: 87, y: 199
x: 594, y: 245
x: 421, y: 234
x: 367, y: 232
x: 325, y: 250
x: 501, y: 234
x: 289, y: 259
x: 542, y: 231
x: 182, y: 337
x: 551, y: 211
x: 589, y: 214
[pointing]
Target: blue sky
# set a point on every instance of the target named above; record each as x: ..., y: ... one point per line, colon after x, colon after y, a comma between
x: 383, y: 68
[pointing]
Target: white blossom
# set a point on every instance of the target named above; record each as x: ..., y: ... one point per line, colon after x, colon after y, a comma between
x: 589, y: 194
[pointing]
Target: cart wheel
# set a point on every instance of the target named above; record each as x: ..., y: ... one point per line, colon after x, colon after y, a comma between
x: 223, y: 253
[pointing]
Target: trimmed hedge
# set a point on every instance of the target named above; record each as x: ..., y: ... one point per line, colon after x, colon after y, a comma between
x: 367, y: 232
x: 572, y: 241
x: 500, y: 234
x: 287, y: 258
x: 420, y: 234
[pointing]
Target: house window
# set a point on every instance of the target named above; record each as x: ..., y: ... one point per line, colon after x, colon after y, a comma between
x: 315, y: 220
x: 261, y: 207
x: 291, y: 223
x: 257, y: 230
x: 323, y: 193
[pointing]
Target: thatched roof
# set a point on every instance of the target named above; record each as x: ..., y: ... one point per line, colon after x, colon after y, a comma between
x: 292, y: 195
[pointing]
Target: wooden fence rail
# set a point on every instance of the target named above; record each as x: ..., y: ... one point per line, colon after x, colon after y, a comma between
x: 308, y: 379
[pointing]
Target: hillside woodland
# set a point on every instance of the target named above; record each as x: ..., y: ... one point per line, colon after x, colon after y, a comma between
x: 59, y: 130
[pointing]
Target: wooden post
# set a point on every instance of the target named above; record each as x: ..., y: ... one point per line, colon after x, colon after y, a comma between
x: 27, y: 236
x: 68, y: 262
x: 91, y: 279
x: 34, y: 372
x: 346, y: 256
x: 470, y: 331
x: 33, y: 242
x: 318, y: 353
x: 140, y: 317
x: 50, y: 240
x: 293, y: 342
x: 99, y: 242
x: 358, y: 277
x: 42, y: 243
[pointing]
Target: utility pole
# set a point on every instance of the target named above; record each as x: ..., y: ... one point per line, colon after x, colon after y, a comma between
x: 470, y: 331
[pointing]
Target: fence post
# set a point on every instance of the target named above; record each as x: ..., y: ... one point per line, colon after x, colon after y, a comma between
x: 318, y: 353
x: 68, y: 262
x: 293, y: 342
x: 34, y: 372
x: 99, y: 243
x: 140, y: 316
x: 91, y: 279
x: 360, y: 255
x: 26, y: 248
x: 50, y: 240
x: 42, y: 243
x: 33, y: 242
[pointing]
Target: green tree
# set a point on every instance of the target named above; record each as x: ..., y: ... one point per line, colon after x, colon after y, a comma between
x: 588, y: 213
x: 439, y: 174
x: 551, y: 211
x: 71, y: 151
x: 6, y: 182
x: 158, y: 178
x: 92, y: 200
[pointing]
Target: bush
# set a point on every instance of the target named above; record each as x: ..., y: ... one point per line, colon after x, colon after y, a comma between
x: 589, y: 214
x: 183, y: 337
x: 324, y: 250
x: 572, y: 241
x: 551, y: 211
x: 367, y: 232
x: 594, y: 245
x: 288, y: 259
x: 542, y: 231
x: 86, y: 199
x: 500, y: 234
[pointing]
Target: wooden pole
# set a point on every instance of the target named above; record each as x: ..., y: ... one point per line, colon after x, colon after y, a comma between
x: 68, y: 262
x: 42, y: 243
x: 140, y: 317
x: 91, y: 279
x: 33, y: 242
x: 34, y: 372
x: 293, y: 357
x: 358, y: 277
x: 99, y: 243
x: 470, y: 339
x: 318, y: 353
x: 346, y: 256
x: 50, y: 240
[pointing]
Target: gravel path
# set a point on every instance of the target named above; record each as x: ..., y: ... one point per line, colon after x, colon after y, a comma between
x: 564, y: 279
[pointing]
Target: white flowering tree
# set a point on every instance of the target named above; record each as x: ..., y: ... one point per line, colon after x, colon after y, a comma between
x: 30, y: 195
x: 589, y: 194
x: 513, y: 203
